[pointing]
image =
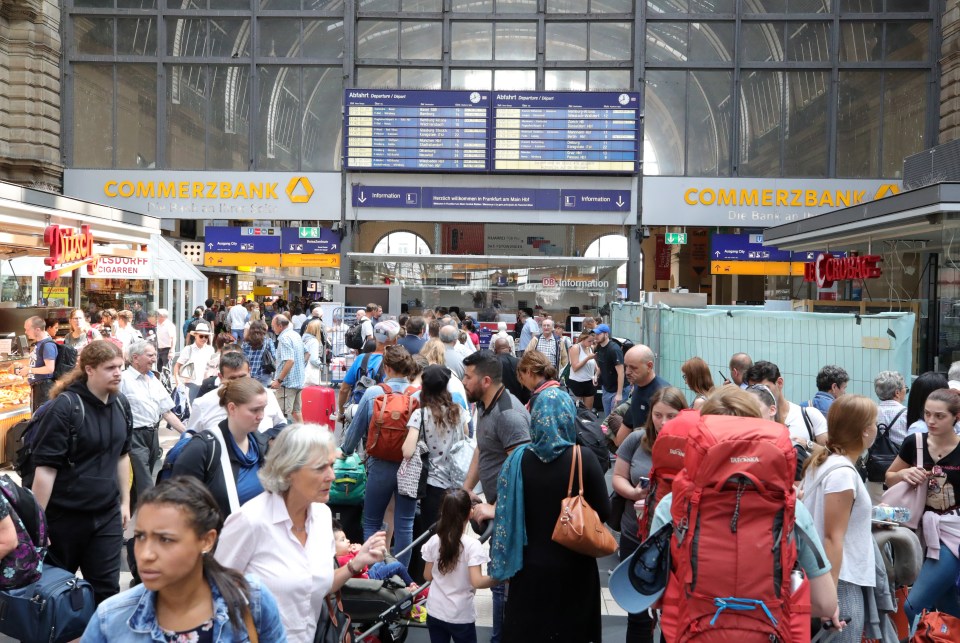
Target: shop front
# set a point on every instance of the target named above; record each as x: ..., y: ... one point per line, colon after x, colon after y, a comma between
x: 900, y: 253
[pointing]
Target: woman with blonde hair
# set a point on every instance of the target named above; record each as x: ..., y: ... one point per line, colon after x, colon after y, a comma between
x: 841, y: 507
x: 731, y: 400
x: 434, y: 351
x: 696, y: 374
x: 313, y: 345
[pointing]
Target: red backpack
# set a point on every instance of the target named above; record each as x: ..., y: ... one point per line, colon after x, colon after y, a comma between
x: 667, y: 455
x: 388, y: 423
x: 732, y: 549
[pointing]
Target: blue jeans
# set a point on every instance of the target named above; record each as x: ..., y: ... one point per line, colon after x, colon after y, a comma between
x: 238, y: 333
x: 935, y: 587
x: 381, y: 486
x: 499, y: 605
x: 442, y: 632
x: 384, y: 570
x: 608, y: 396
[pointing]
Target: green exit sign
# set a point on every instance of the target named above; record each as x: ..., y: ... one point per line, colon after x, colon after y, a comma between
x: 313, y: 233
x: 673, y: 238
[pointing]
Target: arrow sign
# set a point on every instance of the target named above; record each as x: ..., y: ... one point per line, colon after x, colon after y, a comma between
x: 595, y: 200
x: 362, y: 198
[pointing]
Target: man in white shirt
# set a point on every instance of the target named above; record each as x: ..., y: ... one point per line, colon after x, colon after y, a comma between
x: 126, y: 332
x: 805, y: 424
x: 166, y: 338
x: 364, y: 318
x: 206, y: 412
x: 237, y: 318
x: 149, y: 402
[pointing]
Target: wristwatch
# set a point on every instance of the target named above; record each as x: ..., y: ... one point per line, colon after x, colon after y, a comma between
x: 351, y: 569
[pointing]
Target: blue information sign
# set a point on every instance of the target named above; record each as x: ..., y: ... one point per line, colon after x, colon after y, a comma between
x: 224, y: 239
x: 327, y: 243
x: 595, y: 200
x: 381, y: 196
x: 479, y: 131
x: 491, y: 199
x: 749, y: 247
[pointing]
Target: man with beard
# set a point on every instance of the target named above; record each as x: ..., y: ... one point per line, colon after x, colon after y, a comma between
x: 82, y: 477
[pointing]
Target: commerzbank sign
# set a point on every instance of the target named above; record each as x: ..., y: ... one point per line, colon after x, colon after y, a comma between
x: 742, y: 202
x: 211, y: 195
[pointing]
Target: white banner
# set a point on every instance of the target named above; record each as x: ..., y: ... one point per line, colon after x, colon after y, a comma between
x: 108, y: 267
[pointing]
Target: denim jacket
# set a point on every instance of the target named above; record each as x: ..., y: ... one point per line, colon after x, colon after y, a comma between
x: 822, y: 401
x: 131, y: 617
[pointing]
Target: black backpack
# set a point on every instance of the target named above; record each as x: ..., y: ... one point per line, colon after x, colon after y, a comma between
x: 353, y: 338
x: 66, y: 358
x: 883, y: 452
x: 30, y: 437
x: 590, y: 436
x: 624, y: 343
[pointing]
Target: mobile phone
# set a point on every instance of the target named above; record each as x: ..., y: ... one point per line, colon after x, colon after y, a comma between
x: 722, y: 376
x: 644, y: 482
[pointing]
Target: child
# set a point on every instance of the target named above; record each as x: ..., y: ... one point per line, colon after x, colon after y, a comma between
x: 450, y: 608
x: 378, y: 571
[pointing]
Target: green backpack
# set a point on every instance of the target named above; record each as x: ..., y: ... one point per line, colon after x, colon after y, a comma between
x: 350, y: 481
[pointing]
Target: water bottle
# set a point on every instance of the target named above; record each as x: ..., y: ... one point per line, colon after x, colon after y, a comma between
x: 891, y: 514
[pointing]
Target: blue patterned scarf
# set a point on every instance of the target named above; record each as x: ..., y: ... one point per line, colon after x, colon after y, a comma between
x: 553, y: 431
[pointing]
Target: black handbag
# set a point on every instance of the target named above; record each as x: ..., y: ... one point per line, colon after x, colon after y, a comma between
x: 267, y: 363
x: 334, y: 625
x: 883, y: 452
x: 618, y: 504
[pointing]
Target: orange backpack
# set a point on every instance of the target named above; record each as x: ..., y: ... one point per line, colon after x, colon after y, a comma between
x: 388, y: 423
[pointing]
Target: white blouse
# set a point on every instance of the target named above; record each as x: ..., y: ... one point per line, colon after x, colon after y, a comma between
x: 259, y: 540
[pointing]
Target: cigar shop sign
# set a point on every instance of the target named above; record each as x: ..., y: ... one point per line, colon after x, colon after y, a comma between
x: 71, y: 248
x: 828, y: 269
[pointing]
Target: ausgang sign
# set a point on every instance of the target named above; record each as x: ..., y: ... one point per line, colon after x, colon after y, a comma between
x: 753, y: 203
x: 827, y: 269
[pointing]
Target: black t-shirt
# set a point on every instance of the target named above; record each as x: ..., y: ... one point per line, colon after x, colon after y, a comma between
x: 945, y: 481
x: 640, y: 402
x: 608, y: 357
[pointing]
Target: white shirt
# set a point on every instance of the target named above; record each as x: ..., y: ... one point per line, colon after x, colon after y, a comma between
x: 258, y: 539
x: 128, y: 335
x: 451, y: 595
x: 237, y: 316
x: 200, y: 357
x: 206, y: 412
x: 166, y: 334
x: 798, y: 428
x: 148, y: 399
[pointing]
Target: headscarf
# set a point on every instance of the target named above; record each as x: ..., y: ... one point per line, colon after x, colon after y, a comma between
x: 553, y: 431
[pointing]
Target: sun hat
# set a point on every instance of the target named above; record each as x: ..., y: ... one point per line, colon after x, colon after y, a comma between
x: 202, y: 329
x: 639, y: 581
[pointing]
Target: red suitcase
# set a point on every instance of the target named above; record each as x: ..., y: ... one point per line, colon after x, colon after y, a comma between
x: 319, y: 403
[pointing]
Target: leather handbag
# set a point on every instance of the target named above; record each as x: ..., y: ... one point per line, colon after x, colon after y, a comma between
x: 579, y: 527
x: 904, y: 494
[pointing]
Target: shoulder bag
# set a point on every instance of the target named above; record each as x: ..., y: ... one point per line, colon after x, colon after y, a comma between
x: 579, y: 528
x: 334, y: 625
x: 456, y: 463
x: 268, y: 364
x: 904, y: 494
x: 413, y: 471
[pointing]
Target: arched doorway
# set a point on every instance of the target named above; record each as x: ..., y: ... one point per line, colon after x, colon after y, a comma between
x: 613, y: 246
x: 402, y: 243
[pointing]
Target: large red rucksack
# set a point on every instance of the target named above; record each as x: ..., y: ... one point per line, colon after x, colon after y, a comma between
x: 667, y: 455
x: 388, y: 423
x: 733, y: 548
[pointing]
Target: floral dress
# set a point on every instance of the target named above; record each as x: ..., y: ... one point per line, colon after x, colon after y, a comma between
x: 201, y: 634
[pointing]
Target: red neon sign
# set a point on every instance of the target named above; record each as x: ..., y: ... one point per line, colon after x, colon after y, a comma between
x: 69, y: 249
x: 828, y: 269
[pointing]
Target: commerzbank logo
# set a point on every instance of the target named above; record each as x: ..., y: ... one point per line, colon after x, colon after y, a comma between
x: 794, y: 198
x: 298, y: 190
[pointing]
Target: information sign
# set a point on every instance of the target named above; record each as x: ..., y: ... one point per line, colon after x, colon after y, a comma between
x: 226, y: 239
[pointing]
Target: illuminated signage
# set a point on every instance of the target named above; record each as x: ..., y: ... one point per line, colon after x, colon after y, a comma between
x: 827, y: 269
x: 69, y: 249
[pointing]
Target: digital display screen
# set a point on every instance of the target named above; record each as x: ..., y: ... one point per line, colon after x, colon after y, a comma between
x: 510, y: 132
x: 416, y: 130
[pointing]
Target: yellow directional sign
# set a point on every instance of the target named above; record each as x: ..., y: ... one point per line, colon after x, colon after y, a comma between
x: 234, y: 259
x: 310, y: 261
x: 767, y: 268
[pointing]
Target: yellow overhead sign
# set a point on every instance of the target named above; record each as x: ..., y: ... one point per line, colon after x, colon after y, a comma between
x: 766, y: 268
x: 262, y: 291
x: 236, y: 259
x: 310, y: 261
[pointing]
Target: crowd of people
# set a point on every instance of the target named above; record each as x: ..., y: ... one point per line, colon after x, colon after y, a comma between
x: 238, y: 533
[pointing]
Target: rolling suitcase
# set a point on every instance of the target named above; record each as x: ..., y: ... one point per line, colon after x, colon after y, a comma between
x: 318, y: 404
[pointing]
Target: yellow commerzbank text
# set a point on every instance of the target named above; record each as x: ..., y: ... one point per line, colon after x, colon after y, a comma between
x: 770, y: 198
x: 190, y: 190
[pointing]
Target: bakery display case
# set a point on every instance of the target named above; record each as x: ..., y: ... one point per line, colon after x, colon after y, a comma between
x: 14, y: 394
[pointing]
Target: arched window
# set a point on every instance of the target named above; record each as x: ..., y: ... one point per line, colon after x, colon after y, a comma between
x: 613, y: 246
x: 402, y: 243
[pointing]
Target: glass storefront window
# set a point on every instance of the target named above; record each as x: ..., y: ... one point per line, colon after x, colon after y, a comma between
x: 92, y: 88
x: 763, y: 102
x: 665, y: 128
x: 562, y: 80
x: 377, y: 39
x: 516, y: 41
x: 566, y: 41
x: 710, y: 113
x: 805, y: 141
x: 278, y: 130
x: 761, y: 42
x: 136, y: 37
x: 904, y: 116
x: 858, y: 124
x: 611, y: 41
x: 514, y: 79
x: 610, y: 79
x: 471, y: 79
x: 136, y: 116
x: 420, y: 40
x: 419, y: 78
x: 471, y: 41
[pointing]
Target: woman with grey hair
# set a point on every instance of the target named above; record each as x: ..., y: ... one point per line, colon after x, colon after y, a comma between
x: 891, y: 390
x: 285, y: 535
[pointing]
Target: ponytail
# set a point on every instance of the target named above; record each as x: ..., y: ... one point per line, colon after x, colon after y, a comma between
x: 454, y: 512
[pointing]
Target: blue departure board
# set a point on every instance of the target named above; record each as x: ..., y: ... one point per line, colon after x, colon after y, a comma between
x: 509, y: 132
x: 416, y: 130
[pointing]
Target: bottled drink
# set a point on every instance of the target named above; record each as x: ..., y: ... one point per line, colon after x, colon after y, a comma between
x: 891, y: 514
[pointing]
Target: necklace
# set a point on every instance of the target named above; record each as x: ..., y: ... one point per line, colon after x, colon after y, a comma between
x: 938, y: 452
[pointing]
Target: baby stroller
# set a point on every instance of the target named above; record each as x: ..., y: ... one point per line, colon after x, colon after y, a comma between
x: 380, y: 609
x: 382, y: 606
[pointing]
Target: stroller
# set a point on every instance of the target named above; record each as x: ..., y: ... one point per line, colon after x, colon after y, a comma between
x: 380, y: 610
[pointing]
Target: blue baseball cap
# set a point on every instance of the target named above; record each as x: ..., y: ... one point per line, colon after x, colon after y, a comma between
x: 602, y: 328
x: 639, y: 581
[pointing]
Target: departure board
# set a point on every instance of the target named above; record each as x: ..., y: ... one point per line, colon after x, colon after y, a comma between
x: 550, y: 132
x: 416, y: 130
x: 482, y: 131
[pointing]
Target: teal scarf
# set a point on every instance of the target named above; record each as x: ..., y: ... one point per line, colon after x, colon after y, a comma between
x: 553, y: 431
